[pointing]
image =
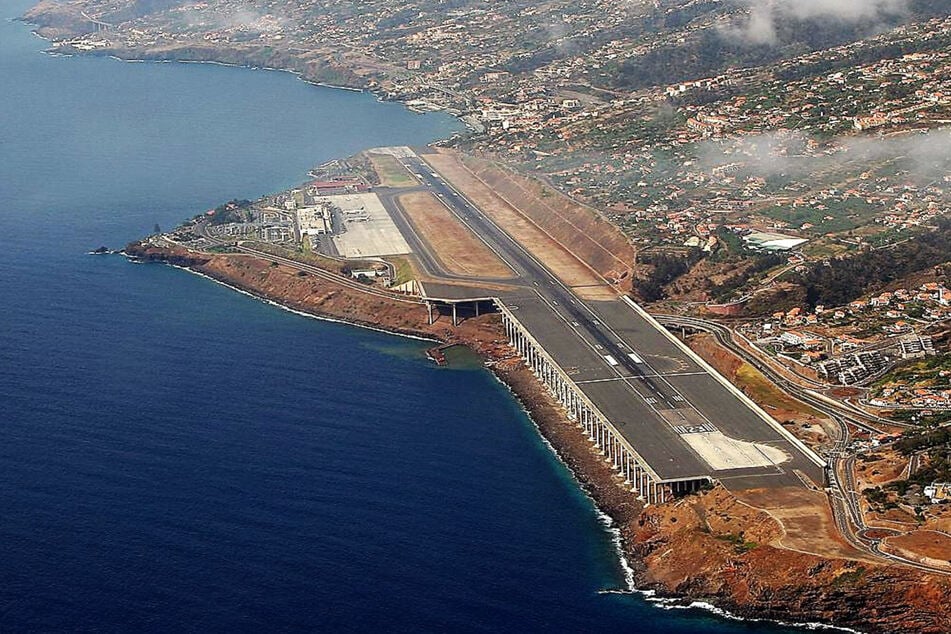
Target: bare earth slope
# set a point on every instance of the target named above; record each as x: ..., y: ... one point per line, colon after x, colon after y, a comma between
x: 584, y: 280
x: 580, y: 229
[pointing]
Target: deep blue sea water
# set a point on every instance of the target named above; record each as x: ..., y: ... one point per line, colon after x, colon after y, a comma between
x: 175, y: 456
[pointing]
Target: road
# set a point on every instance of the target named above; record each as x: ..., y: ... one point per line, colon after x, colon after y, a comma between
x: 650, y: 389
x: 724, y: 336
x: 843, y: 488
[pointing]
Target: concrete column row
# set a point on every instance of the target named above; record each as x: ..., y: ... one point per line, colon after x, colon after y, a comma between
x: 599, y: 431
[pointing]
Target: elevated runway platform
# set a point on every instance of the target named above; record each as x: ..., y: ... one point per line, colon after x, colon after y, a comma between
x: 666, y: 420
x: 678, y: 420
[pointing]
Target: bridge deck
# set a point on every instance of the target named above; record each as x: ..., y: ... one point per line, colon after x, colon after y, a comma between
x: 681, y: 420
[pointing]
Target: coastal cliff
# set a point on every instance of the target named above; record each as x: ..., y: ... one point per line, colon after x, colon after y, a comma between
x: 715, y: 549
x: 59, y: 22
x: 710, y: 547
x: 323, y: 298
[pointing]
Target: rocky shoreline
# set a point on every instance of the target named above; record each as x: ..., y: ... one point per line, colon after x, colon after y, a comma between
x: 709, y: 547
x: 54, y: 25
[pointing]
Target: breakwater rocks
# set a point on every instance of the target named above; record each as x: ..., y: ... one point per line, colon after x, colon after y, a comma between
x: 144, y: 252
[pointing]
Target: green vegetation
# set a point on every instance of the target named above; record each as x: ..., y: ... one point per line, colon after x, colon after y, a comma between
x: 933, y: 439
x: 849, y: 578
x: 305, y: 256
x: 760, y: 263
x: 765, y: 393
x: 390, y: 171
x: 404, y: 270
x: 840, y: 216
x: 708, y: 53
x: 740, y: 545
x: 932, y: 419
x: 928, y: 372
x: 844, y: 279
x: 666, y: 267
x: 232, y: 211
x: 876, y: 495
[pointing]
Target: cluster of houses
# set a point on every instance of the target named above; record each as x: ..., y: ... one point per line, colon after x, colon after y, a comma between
x: 852, y: 368
x: 818, y: 343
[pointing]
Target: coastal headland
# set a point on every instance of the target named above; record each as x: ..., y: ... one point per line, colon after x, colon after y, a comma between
x: 766, y: 552
x: 710, y: 546
x: 367, y: 243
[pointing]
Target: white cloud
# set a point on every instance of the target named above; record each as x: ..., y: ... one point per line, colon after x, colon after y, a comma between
x: 759, y: 27
x: 921, y: 157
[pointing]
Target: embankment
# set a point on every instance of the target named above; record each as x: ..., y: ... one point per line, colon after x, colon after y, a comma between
x: 593, y: 239
x: 318, y: 296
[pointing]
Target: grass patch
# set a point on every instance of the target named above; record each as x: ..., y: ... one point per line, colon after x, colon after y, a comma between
x: 763, y: 392
x: 405, y: 271
x: 849, y: 578
x: 391, y: 172
x: 927, y: 372
x: 740, y: 544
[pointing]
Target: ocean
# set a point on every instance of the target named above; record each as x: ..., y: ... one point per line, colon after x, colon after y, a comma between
x: 176, y: 456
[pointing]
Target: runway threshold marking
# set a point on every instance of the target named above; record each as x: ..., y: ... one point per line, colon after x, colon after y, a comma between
x: 645, y: 376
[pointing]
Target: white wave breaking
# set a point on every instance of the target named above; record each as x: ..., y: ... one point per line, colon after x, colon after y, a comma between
x: 649, y: 595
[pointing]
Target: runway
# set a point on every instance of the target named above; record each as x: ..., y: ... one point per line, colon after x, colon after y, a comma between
x: 683, y: 419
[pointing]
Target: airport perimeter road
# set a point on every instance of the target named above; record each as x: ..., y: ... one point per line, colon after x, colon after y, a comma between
x: 725, y: 337
x: 681, y: 417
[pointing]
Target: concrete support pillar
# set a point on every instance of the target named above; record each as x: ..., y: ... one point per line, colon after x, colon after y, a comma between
x: 429, y: 307
x: 455, y: 318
